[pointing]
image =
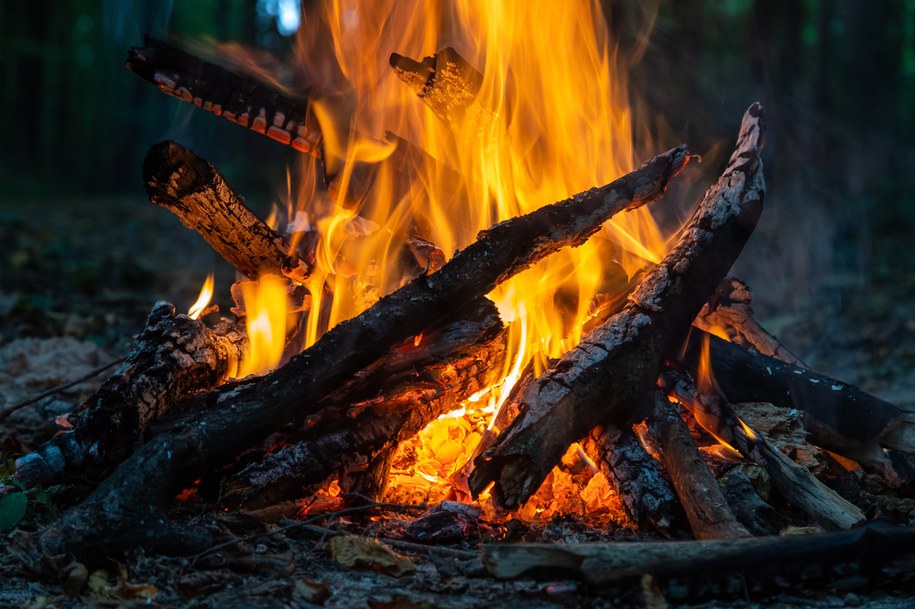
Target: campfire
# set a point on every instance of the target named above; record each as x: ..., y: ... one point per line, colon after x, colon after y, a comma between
x: 433, y: 318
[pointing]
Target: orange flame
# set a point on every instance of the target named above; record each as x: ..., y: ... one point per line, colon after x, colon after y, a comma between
x: 266, y: 320
x: 203, y: 300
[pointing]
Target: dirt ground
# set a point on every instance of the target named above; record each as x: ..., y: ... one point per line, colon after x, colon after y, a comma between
x: 77, y: 278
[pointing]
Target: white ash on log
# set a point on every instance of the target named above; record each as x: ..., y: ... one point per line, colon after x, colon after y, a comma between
x: 792, y: 480
x: 707, y: 510
x: 839, y: 417
x: 363, y: 421
x: 195, y: 191
x: 173, y: 358
x: 610, y: 376
x: 214, y: 428
x: 240, y: 99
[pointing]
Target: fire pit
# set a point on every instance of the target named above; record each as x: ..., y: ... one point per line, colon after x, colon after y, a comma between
x: 442, y: 363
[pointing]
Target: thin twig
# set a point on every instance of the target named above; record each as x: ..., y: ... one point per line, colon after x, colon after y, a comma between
x: 59, y: 388
x: 328, y: 515
x: 397, y: 543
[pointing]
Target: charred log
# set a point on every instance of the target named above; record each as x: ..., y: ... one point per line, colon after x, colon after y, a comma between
x: 759, y: 517
x: 217, y: 426
x: 240, y: 99
x: 609, y: 377
x: 195, y: 191
x: 731, y: 310
x: 359, y: 425
x: 174, y: 357
x: 638, y: 479
x: 707, y: 510
x: 839, y: 417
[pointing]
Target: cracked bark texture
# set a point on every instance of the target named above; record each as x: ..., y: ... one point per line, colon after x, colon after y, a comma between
x: 193, y: 189
x: 609, y: 377
x: 217, y: 426
x: 174, y: 357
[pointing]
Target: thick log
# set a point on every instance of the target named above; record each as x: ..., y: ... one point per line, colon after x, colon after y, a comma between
x: 173, y: 358
x: 870, y: 555
x: 839, y: 417
x: 609, y: 377
x: 195, y: 191
x: 221, y: 424
x: 731, y: 310
x: 367, y: 418
x: 638, y: 479
x: 793, y: 481
x: 240, y: 99
x: 707, y: 510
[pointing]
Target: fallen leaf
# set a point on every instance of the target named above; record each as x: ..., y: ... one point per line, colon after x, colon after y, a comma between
x: 361, y: 552
x: 12, y: 509
x: 312, y: 591
x: 122, y: 589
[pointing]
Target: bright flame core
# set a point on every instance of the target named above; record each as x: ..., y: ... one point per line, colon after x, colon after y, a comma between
x: 267, y: 321
x: 203, y: 300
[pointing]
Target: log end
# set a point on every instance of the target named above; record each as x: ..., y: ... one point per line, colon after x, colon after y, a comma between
x: 171, y: 171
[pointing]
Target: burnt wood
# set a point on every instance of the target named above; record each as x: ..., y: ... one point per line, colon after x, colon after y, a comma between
x: 759, y: 517
x: 609, y: 377
x: 241, y: 99
x: 707, y: 510
x: 793, y: 481
x: 638, y: 479
x: 174, y: 357
x: 359, y: 425
x: 219, y: 425
x: 195, y: 191
x: 839, y: 417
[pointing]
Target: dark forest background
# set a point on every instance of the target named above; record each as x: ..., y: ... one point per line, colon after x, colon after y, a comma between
x: 837, y: 78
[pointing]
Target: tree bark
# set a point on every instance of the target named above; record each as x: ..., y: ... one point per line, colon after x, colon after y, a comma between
x: 609, y: 377
x: 174, y: 357
x: 219, y: 425
x: 840, y: 417
x: 240, y: 99
x: 195, y: 191
x: 707, y: 510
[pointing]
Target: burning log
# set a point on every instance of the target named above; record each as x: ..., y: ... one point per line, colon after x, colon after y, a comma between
x: 240, y: 99
x: 195, y: 191
x: 706, y: 508
x: 636, y: 476
x: 610, y: 376
x: 839, y: 417
x: 174, y: 357
x: 360, y: 424
x: 792, y: 480
x: 731, y: 308
x: 874, y: 551
x: 447, y: 83
x: 217, y: 426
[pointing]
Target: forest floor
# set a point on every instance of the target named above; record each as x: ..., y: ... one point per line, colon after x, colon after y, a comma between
x: 77, y: 278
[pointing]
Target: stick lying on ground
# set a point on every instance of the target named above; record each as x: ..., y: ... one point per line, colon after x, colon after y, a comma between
x: 840, y: 417
x: 874, y: 551
x: 195, y: 191
x: 174, y: 357
x: 241, y: 99
x: 384, y: 404
x: 219, y: 425
x: 610, y: 376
